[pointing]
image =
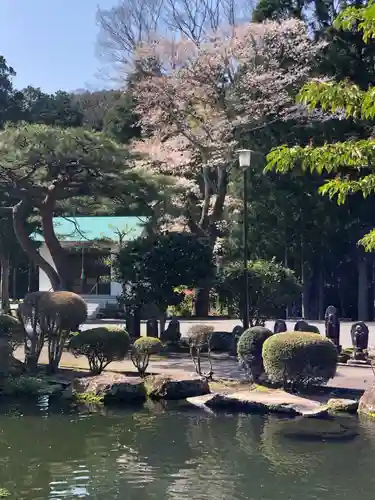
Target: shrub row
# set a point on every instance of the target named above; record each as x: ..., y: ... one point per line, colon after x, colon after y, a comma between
x: 105, y: 344
x: 299, y: 359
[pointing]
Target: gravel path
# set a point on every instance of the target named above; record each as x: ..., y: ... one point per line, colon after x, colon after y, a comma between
x: 225, y: 367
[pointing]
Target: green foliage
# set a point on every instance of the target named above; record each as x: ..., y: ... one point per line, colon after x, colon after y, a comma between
x: 185, y: 307
x: 4, y: 493
x: 120, y: 122
x: 249, y: 350
x: 271, y: 288
x: 151, y: 268
x: 58, y: 109
x: 359, y: 18
x: 299, y: 359
x: 101, y: 346
x: 10, y: 100
x: 348, y: 161
x: 142, y: 349
x: 276, y: 10
x: 88, y: 398
x: 94, y: 106
x: 148, y: 345
x: 35, y: 155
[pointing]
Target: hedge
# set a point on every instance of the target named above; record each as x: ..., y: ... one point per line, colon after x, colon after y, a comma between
x: 249, y: 350
x: 299, y: 359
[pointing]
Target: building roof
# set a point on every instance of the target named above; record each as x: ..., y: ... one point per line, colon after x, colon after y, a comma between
x: 86, y: 229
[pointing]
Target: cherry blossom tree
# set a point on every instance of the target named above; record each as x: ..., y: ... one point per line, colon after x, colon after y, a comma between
x: 205, y: 99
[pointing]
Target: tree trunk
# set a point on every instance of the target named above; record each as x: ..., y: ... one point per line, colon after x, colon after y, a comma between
x: 5, y: 305
x: 362, y: 288
x: 57, y: 252
x: 305, y: 285
x: 20, y: 212
x: 202, y: 302
x: 286, y: 264
x: 14, y: 283
x: 321, y: 291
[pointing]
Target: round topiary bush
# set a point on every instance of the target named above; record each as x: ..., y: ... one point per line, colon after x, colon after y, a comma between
x: 67, y: 308
x: 249, y: 350
x: 101, y: 346
x: 142, y: 349
x: 299, y: 359
x: 149, y: 345
x: 59, y: 314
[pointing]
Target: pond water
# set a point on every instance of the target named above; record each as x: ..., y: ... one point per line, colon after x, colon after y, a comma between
x: 154, y: 453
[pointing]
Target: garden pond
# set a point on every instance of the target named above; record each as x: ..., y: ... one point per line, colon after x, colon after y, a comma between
x: 175, y: 453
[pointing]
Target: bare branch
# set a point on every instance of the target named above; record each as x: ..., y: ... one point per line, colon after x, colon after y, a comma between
x: 125, y: 26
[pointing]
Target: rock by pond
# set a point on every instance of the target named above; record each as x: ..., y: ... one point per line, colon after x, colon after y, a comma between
x: 244, y: 401
x: 111, y: 387
x: 253, y: 401
x: 367, y: 402
x: 342, y: 405
x: 176, y: 387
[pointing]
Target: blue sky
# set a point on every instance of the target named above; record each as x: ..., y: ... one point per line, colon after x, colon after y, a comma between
x: 51, y: 43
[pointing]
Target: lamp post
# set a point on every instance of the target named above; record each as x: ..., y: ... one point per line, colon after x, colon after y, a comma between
x: 244, y: 159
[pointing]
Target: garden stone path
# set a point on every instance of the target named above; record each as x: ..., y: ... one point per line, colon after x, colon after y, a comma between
x: 224, y: 367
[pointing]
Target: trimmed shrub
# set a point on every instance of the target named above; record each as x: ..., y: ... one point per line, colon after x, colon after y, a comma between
x: 13, y: 329
x: 67, y: 308
x: 60, y: 313
x: 52, y: 316
x: 299, y: 359
x: 142, y: 349
x: 101, y: 346
x: 249, y: 350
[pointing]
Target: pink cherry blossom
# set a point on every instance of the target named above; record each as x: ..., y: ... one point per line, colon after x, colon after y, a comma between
x: 240, y: 78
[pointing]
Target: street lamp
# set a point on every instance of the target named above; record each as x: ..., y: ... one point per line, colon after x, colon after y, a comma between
x: 244, y: 159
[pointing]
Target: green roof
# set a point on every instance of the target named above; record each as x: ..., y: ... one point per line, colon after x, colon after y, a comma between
x: 84, y: 229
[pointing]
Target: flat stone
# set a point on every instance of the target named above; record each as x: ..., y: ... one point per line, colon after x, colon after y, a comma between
x: 358, y: 362
x: 261, y: 402
x: 172, y: 387
x: 342, y: 405
x: 113, y: 387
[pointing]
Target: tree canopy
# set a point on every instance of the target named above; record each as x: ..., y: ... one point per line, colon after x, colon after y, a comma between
x: 350, y: 162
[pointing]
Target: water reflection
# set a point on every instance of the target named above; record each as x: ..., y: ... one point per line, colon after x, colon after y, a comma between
x: 168, y: 454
